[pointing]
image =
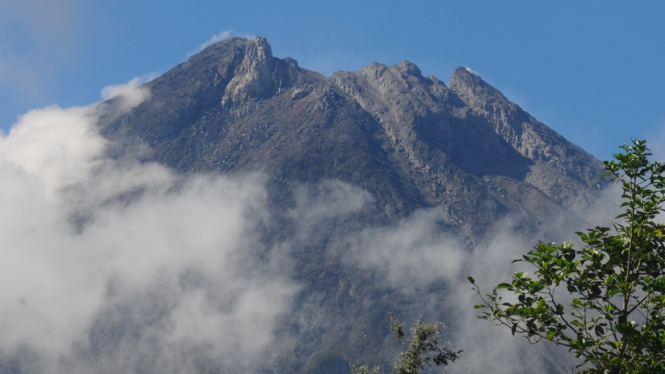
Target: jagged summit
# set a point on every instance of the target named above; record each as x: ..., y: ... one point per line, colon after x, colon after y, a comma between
x: 254, y: 75
x: 409, y: 68
x: 385, y: 121
x: 473, y: 90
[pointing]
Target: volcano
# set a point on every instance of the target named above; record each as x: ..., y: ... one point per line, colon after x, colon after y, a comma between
x: 461, y: 154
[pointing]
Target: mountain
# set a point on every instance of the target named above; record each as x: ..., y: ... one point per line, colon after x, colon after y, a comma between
x: 409, y: 140
x: 412, y: 143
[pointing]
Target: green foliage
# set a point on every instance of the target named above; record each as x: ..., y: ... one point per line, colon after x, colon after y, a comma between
x: 364, y: 369
x: 614, y: 287
x: 420, y: 350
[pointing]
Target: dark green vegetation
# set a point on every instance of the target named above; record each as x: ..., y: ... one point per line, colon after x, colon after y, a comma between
x: 604, y: 302
x: 420, y: 350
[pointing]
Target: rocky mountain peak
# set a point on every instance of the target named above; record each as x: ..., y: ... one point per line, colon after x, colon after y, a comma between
x: 259, y: 49
x: 254, y: 76
x: 473, y: 90
x: 410, y: 68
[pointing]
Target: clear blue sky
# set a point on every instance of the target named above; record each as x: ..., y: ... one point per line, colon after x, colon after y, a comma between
x: 591, y: 70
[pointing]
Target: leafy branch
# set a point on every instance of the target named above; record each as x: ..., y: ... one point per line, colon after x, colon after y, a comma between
x: 614, y: 319
x: 420, y: 350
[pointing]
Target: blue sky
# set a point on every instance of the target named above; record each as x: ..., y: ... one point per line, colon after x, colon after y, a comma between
x: 593, y: 71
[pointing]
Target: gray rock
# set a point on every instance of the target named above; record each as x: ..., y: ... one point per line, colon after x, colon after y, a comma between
x: 410, y: 141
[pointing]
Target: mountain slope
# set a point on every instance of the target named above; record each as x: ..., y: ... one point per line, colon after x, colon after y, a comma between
x: 409, y: 141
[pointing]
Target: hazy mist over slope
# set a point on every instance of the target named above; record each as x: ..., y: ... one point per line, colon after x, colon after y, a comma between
x: 117, y: 265
x: 90, y: 242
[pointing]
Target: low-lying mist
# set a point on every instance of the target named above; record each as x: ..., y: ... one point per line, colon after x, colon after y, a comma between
x: 116, y: 266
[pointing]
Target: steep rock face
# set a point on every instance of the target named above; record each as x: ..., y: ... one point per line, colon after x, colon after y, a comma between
x: 408, y: 140
x: 254, y: 76
x: 561, y: 170
x: 451, y: 155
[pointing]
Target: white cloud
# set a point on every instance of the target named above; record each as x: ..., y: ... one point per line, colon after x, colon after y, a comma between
x: 416, y: 254
x: 216, y: 38
x: 327, y: 200
x: 53, y: 145
x: 490, y: 348
x: 142, y: 267
x: 219, y: 37
x: 410, y: 254
x: 91, y: 245
x: 130, y: 94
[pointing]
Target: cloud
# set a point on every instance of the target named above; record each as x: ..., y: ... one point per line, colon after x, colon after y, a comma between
x: 327, y: 202
x: 219, y: 37
x: 130, y: 94
x: 56, y: 147
x: 117, y: 266
x: 418, y: 257
x: 411, y: 254
x: 490, y: 348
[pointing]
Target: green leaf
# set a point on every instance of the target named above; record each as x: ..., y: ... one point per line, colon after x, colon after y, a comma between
x: 617, y: 276
x: 551, y: 334
x: 599, y: 330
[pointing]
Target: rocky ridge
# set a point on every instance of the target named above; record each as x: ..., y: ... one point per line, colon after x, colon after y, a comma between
x: 411, y: 141
x: 408, y: 140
